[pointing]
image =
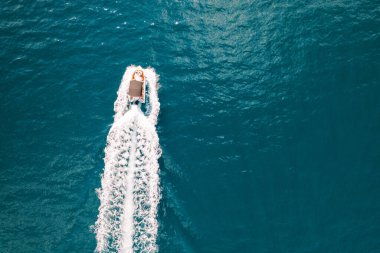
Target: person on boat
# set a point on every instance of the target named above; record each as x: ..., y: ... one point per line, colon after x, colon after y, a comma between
x: 136, y: 92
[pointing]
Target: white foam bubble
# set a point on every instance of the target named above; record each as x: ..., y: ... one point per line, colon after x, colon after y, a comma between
x: 129, y: 192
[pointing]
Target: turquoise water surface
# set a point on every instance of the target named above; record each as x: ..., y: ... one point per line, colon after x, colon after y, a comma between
x: 269, y: 123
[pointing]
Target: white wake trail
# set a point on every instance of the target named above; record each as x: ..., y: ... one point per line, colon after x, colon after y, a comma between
x: 129, y: 192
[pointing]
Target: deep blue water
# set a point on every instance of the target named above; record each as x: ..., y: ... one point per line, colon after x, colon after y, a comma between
x: 269, y: 123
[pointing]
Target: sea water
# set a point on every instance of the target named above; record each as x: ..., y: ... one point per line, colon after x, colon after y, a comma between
x: 269, y: 122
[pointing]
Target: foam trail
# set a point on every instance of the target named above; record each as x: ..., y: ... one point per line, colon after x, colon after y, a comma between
x: 129, y: 186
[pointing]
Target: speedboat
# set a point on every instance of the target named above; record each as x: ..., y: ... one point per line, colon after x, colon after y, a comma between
x: 137, y: 87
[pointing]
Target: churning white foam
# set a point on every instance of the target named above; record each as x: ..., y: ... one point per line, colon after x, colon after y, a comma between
x: 129, y: 191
